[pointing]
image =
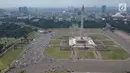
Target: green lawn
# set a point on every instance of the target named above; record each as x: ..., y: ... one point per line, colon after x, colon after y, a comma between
x: 106, y: 42
x: 31, y: 35
x: 59, y: 36
x: 55, y: 42
x: 9, y: 57
x: 54, y: 52
x: 85, y: 54
x: 115, y: 53
x: 99, y: 36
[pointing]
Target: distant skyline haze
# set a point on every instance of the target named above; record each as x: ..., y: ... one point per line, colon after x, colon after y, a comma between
x: 59, y: 3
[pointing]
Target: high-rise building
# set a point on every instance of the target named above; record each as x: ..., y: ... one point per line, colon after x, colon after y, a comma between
x: 23, y: 10
x: 103, y: 8
x: 76, y: 10
x: 70, y: 9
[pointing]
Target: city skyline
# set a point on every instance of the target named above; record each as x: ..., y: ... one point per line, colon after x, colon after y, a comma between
x: 59, y: 3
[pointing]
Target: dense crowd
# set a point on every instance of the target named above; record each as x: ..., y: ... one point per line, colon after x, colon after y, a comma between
x: 35, y: 52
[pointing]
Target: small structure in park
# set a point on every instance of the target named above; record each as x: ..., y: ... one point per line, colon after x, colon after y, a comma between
x: 81, y: 41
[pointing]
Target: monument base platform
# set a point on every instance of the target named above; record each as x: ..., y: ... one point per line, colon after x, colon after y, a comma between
x: 81, y: 42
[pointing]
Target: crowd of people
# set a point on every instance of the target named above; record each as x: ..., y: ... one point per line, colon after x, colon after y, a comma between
x: 58, y: 69
x: 35, y: 52
x: 35, y: 55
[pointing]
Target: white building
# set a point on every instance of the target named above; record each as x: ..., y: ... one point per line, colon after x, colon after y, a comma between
x: 35, y: 20
x: 118, y: 16
x: 25, y: 17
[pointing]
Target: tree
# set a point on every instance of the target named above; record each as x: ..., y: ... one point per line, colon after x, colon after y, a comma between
x: 1, y: 47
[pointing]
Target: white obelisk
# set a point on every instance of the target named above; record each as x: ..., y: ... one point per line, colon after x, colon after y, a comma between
x: 82, y: 22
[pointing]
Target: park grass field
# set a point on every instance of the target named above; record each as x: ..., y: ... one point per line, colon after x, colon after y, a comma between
x: 99, y: 36
x: 88, y: 54
x: 9, y: 57
x: 55, y: 42
x: 54, y: 52
x: 60, y: 33
x: 115, y: 51
x: 108, y: 42
x: 59, y: 36
x: 32, y: 35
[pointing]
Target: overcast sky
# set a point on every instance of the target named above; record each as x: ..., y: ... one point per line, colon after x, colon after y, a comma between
x: 59, y: 3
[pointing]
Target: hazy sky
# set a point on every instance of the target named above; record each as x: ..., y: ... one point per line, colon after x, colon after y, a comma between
x: 59, y: 3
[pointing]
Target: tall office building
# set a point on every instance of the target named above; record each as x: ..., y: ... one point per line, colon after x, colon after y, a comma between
x: 70, y: 9
x: 103, y: 9
x: 23, y: 10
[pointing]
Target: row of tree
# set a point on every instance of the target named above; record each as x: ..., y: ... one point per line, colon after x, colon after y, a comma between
x: 13, y: 30
x: 93, y: 24
x: 119, y: 24
x: 43, y: 23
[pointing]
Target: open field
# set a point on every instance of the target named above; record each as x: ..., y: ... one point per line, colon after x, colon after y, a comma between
x: 99, y: 36
x: 32, y: 35
x: 86, y: 54
x: 9, y: 57
x: 59, y: 36
x: 55, y: 42
x: 59, y: 33
x: 54, y: 52
x: 115, y: 52
x: 108, y: 42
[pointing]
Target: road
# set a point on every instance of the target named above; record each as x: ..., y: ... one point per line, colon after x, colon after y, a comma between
x: 44, y: 64
x: 79, y: 66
